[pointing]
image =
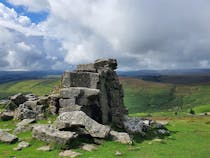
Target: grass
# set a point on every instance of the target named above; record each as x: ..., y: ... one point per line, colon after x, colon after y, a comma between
x: 144, y: 96
x: 189, y: 138
x: 38, y: 87
x: 190, y: 135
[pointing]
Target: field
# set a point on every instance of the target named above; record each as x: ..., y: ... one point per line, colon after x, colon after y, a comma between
x: 190, y: 135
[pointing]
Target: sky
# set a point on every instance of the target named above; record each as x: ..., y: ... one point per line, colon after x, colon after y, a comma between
x: 140, y: 34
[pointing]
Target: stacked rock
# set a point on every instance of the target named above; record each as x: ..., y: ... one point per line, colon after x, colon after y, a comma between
x: 94, y: 89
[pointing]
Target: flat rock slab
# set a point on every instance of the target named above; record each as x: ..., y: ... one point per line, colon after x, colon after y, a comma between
x: 88, y: 147
x: 22, y: 145
x: 69, y: 153
x: 121, y: 137
x: 45, y: 148
x: 7, y: 137
x: 26, y: 122
x: 48, y: 134
x: 79, y: 119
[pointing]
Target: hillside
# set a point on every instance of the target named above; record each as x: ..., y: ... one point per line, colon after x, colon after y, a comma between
x: 140, y: 96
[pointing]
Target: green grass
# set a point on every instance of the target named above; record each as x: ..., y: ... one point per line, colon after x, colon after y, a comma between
x: 144, y: 96
x: 190, y: 138
x: 190, y: 135
x: 38, y: 87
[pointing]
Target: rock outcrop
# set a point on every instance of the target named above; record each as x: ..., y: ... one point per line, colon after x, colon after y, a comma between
x: 78, y: 119
x: 96, y: 90
x: 51, y: 135
x: 7, y: 137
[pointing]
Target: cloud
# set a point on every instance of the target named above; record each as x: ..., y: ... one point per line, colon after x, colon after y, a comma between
x: 32, y: 5
x: 141, y: 34
x: 24, y: 46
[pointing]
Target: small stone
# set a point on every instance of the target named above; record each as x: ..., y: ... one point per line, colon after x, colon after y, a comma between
x: 7, y: 137
x: 44, y: 148
x: 118, y: 153
x: 157, y: 140
x: 22, y: 145
x: 121, y: 137
x: 163, y: 132
x: 88, y: 147
x: 69, y: 153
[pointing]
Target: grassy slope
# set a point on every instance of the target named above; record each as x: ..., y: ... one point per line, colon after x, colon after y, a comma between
x: 143, y: 96
x: 38, y: 87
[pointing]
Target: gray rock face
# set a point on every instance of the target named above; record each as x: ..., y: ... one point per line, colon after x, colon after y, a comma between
x: 6, y: 116
x: 26, y: 122
x: 136, y: 125
x: 69, y: 120
x: 121, y: 137
x: 80, y: 79
x: 102, y: 99
x: 48, y: 134
x: 18, y: 99
x: 10, y: 106
x: 24, y: 112
x: 7, y: 137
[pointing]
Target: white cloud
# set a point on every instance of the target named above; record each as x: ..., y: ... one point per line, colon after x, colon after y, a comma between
x: 141, y: 34
x: 32, y: 5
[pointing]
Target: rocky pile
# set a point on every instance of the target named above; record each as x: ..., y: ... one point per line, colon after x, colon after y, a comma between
x: 89, y: 103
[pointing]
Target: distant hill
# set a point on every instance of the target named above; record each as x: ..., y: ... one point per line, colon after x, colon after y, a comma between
x: 191, y: 76
x: 8, y: 76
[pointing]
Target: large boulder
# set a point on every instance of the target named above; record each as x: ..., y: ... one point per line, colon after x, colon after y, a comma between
x: 18, y: 99
x: 51, y: 135
x: 78, y: 119
x: 7, y: 137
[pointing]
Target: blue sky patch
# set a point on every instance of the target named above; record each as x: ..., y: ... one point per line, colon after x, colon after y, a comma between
x: 22, y: 10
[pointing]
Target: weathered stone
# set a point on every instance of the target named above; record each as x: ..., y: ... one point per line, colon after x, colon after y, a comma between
x: 49, y: 134
x: 86, y: 68
x: 44, y: 148
x: 118, y: 153
x: 22, y: 145
x: 69, y: 153
x: 80, y: 79
x: 75, y: 119
x: 21, y: 129
x: 31, y: 97
x: 88, y: 147
x: 135, y: 125
x: 24, y: 125
x: 69, y: 93
x: 64, y: 103
x: 6, y: 116
x: 7, y: 137
x: 43, y: 100
x: 70, y: 108
x: 24, y: 112
x: 163, y: 132
x: 26, y: 122
x: 11, y: 106
x: 31, y: 104
x: 106, y: 63
x: 121, y: 137
x: 18, y: 99
x: 54, y: 104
